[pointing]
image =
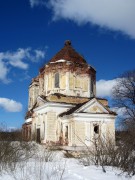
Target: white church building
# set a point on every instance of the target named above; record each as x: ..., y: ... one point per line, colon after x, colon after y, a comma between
x: 63, y: 108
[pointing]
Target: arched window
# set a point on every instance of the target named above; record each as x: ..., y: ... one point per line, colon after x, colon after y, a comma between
x: 57, y: 80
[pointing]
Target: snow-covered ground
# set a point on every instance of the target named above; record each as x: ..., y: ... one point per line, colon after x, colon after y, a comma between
x: 61, y: 168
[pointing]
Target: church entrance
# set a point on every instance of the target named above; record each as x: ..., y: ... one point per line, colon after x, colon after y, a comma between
x: 38, y: 135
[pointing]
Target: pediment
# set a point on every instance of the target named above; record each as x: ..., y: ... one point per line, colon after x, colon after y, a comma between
x: 93, y: 106
x: 94, y: 109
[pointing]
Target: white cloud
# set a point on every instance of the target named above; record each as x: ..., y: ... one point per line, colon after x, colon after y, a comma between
x: 39, y: 54
x: 36, y: 55
x: 120, y: 111
x: 104, y: 87
x: 36, y: 2
x: 10, y: 105
x: 33, y: 3
x: 18, y: 59
x: 3, y: 72
x: 113, y: 14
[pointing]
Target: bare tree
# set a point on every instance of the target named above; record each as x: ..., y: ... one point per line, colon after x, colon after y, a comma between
x: 124, y: 95
x: 124, y: 100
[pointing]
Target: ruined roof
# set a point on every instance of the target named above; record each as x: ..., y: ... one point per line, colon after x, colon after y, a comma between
x: 28, y: 114
x: 68, y: 53
x: 76, y: 101
x: 35, y: 80
x: 72, y: 110
x: 60, y: 98
x: 67, y: 59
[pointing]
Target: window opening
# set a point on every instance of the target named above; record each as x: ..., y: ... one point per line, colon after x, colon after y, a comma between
x: 66, y: 135
x: 96, y: 129
x: 66, y: 132
x: 57, y: 80
x: 38, y: 135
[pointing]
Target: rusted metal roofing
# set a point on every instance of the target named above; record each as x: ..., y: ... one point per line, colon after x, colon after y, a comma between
x: 68, y: 53
x: 67, y: 59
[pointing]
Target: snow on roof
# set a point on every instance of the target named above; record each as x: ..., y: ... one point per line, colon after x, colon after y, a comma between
x: 61, y: 60
x: 28, y: 120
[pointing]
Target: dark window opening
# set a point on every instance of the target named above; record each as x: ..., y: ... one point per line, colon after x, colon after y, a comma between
x: 30, y: 133
x: 96, y: 129
x: 57, y: 80
x: 38, y: 135
x: 66, y: 132
x: 61, y: 128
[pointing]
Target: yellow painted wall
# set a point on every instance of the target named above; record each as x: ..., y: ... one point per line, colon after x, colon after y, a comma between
x: 110, y: 131
x: 63, y: 81
x: 71, y: 81
x: 50, y: 80
x: 51, y: 126
x: 79, y: 133
x: 94, y: 109
x: 77, y: 82
x: 85, y: 84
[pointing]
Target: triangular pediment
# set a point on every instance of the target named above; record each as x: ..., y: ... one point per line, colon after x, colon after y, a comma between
x: 93, y: 106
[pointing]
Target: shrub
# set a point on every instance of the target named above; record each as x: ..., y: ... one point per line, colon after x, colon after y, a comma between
x: 104, y: 153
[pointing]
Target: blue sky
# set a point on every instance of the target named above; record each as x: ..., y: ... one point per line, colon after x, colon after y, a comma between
x: 32, y: 31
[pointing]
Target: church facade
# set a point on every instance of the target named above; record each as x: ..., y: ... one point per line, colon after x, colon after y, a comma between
x: 63, y: 108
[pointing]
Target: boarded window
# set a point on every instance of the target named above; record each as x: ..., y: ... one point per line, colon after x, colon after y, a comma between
x: 57, y: 80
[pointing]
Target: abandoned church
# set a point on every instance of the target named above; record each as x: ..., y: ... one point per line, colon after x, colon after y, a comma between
x: 63, y: 108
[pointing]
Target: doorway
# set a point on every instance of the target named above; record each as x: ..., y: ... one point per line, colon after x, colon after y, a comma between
x: 38, y: 135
